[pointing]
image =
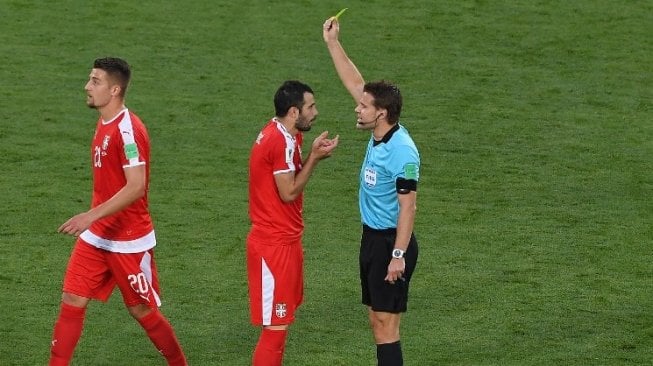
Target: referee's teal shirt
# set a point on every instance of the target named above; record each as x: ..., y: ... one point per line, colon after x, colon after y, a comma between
x: 395, y: 156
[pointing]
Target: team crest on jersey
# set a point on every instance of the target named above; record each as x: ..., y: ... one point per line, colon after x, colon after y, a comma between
x: 280, y: 310
x: 105, y: 142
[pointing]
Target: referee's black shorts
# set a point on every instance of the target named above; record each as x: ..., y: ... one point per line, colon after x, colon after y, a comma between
x: 375, y: 255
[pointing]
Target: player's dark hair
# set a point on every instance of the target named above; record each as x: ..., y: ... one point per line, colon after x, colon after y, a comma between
x: 117, y: 69
x: 290, y: 94
x: 386, y: 96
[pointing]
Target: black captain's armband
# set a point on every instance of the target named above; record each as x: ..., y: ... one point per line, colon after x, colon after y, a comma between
x: 405, y: 186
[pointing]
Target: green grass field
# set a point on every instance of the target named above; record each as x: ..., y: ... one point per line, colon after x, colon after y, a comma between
x: 535, y: 208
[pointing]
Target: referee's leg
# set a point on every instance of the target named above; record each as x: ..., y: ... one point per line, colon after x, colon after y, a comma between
x: 385, y: 327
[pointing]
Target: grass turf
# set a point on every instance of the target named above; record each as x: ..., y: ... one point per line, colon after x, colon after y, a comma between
x: 534, y: 208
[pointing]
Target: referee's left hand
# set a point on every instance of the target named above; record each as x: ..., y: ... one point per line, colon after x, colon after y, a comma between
x: 396, y: 270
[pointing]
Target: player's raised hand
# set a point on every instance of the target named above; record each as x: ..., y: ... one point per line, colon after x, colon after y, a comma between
x: 323, y: 146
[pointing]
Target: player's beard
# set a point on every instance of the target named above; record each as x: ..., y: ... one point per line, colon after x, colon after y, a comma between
x: 302, y: 124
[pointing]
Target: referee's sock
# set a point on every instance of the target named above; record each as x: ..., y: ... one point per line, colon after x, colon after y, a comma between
x: 389, y: 354
x: 270, y: 347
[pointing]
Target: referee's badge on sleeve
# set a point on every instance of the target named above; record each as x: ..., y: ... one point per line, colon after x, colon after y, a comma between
x: 411, y: 171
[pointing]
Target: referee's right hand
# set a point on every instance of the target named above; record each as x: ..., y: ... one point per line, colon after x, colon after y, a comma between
x: 396, y: 270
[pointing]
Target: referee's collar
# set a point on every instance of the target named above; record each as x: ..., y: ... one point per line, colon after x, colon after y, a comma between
x: 387, y: 136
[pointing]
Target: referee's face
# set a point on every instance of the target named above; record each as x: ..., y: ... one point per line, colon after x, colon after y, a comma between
x: 307, y: 114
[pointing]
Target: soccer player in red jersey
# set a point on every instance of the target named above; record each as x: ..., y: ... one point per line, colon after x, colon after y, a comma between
x: 277, y: 177
x: 116, y: 236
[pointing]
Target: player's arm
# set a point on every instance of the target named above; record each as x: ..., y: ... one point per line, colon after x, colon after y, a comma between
x: 133, y: 189
x: 291, y: 185
x: 405, y: 222
x: 348, y: 72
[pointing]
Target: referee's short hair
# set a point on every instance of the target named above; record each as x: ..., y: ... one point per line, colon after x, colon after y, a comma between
x: 386, y: 96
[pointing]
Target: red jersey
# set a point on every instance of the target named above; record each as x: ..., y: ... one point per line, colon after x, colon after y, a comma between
x: 119, y: 144
x: 274, y: 152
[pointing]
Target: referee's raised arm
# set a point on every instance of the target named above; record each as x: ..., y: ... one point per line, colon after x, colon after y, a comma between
x: 348, y: 72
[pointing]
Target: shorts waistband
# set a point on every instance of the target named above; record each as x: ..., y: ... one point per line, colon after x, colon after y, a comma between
x: 369, y: 230
x: 270, y: 239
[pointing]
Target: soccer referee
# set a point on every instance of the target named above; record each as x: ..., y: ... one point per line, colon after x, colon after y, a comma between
x: 387, y: 200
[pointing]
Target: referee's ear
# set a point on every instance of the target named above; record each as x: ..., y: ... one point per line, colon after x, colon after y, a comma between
x: 383, y: 115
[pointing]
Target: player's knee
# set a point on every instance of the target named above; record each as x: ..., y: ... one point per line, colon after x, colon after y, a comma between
x: 74, y: 300
x: 139, y: 311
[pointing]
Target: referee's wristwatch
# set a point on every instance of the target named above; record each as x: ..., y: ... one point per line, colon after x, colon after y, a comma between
x: 398, y: 253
